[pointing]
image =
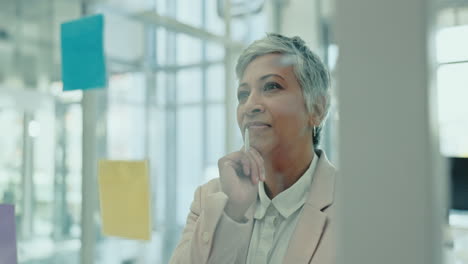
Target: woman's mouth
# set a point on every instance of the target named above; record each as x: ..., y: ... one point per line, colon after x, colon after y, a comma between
x: 257, y: 125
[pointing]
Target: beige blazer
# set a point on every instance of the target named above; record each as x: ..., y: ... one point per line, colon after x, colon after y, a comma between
x: 210, y: 236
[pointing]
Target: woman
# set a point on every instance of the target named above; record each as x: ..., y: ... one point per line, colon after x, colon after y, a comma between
x: 273, y: 200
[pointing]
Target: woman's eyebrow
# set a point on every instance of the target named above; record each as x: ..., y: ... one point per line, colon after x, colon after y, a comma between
x: 270, y: 75
x: 266, y: 76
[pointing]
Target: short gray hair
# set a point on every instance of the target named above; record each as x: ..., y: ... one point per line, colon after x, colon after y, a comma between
x: 312, y: 75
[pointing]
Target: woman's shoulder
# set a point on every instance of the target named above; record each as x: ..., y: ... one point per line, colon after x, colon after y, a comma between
x: 209, y: 192
x: 212, y: 186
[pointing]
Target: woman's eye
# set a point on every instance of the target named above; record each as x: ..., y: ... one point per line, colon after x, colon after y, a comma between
x: 241, y: 96
x: 271, y: 86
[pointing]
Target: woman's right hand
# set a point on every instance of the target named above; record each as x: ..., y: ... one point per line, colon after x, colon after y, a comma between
x: 240, y: 173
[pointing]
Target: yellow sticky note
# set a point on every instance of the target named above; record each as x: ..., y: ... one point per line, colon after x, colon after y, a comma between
x: 124, y: 193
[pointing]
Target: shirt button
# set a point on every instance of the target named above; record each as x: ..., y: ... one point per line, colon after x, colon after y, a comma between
x: 276, y: 221
x: 206, y: 237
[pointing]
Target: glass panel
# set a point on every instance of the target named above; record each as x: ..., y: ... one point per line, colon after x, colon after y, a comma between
x: 57, y: 185
x: 243, y: 31
x: 126, y: 124
x: 240, y: 30
x: 189, y: 158
x: 72, y: 188
x: 257, y: 31
x: 452, y: 43
x: 123, y: 38
x: 189, y: 12
x: 188, y: 49
x: 214, y: 52
x: 216, y: 130
x: 11, y: 142
x: 161, y: 47
x: 44, y: 215
x: 157, y: 152
x: 54, y: 207
x: 42, y: 131
x: 161, y: 84
x: 127, y: 89
x: 189, y: 86
x: 126, y: 140
x: 215, y: 83
x: 161, y: 6
x: 214, y: 23
x: 129, y: 5
x: 126, y: 130
x: 453, y: 110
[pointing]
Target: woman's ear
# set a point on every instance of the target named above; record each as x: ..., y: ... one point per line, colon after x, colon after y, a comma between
x: 317, y: 115
x: 313, y: 120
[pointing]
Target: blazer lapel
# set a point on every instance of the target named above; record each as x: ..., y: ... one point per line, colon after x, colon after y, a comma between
x: 306, y: 236
x: 312, y: 220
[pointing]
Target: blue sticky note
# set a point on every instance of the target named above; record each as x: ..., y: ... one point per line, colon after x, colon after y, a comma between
x: 8, y: 253
x: 83, y: 63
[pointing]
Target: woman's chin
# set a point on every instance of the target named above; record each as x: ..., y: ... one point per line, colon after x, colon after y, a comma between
x: 262, y: 147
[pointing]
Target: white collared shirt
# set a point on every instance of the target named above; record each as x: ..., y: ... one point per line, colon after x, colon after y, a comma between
x: 275, y: 220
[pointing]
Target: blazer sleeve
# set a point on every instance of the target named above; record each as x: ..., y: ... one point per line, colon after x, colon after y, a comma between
x: 210, y: 236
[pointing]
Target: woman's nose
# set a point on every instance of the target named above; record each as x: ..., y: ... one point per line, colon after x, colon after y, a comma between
x: 254, y: 105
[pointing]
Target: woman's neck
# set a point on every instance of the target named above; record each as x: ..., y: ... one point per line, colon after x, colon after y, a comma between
x: 284, y: 168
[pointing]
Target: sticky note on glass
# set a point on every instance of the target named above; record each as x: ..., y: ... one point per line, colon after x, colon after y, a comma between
x: 8, y: 253
x: 124, y: 193
x: 83, y: 63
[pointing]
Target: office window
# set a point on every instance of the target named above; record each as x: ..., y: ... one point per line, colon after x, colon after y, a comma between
x: 452, y: 83
x: 452, y: 43
x: 126, y: 122
x: 189, y: 158
x: 188, y: 50
x: 215, y: 83
x: 216, y: 134
x: 189, y: 86
x: 190, y: 12
x: 214, y: 23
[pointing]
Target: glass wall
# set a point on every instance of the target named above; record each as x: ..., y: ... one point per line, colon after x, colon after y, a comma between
x: 40, y: 172
x: 165, y: 101
x: 170, y: 109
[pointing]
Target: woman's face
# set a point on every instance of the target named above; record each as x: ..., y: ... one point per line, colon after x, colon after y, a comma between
x: 272, y: 106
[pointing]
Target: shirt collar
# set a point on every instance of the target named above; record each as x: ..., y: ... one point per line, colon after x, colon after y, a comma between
x: 289, y: 200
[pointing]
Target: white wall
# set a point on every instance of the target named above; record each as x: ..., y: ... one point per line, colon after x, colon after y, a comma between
x: 392, y: 182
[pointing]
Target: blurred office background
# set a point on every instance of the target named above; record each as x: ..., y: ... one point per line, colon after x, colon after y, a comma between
x: 171, y: 100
